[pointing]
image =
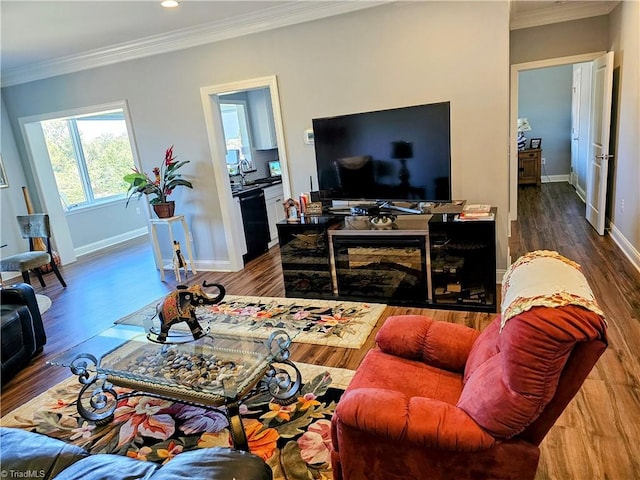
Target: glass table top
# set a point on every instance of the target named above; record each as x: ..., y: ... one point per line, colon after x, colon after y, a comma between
x: 209, y: 369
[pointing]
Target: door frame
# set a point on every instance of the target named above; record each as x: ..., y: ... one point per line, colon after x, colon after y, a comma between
x: 513, y: 116
x: 217, y: 145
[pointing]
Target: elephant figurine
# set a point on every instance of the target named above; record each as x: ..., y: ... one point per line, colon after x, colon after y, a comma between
x: 180, y: 306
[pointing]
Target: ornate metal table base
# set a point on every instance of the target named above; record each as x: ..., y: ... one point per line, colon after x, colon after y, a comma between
x: 98, y: 400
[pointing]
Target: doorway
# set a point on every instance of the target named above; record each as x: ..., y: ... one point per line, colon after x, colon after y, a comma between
x: 514, y: 108
x: 212, y: 97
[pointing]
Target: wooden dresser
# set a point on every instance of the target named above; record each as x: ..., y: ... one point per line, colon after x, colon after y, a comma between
x: 529, y: 171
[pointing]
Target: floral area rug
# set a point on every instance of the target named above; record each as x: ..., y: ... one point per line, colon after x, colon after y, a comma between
x: 319, y: 322
x: 295, y: 440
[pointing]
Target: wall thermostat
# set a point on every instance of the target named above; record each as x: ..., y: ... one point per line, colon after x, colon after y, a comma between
x: 308, y: 136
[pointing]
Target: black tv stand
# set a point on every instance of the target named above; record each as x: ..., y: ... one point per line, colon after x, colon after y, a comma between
x: 419, y: 260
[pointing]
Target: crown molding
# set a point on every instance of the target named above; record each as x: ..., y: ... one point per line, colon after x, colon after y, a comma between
x: 269, y: 19
x: 561, y: 12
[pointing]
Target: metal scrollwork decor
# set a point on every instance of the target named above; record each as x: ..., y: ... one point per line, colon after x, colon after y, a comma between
x: 278, y: 344
x: 281, y: 383
x: 84, y: 366
x: 97, y: 401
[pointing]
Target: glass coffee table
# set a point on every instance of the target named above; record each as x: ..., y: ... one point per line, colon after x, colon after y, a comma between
x: 215, y: 371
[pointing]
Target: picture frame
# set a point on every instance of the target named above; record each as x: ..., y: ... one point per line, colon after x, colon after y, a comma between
x: 4, y: 183
x: 535, y: 143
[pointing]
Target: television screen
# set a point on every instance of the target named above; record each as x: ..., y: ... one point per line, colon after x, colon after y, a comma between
x: 397, y: 154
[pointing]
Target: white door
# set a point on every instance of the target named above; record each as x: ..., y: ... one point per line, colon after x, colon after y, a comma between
x: 598, y: 165
x: 575, y: 124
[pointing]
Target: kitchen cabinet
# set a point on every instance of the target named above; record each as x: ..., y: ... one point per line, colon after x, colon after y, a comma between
x: 274, y: 197
x: 261, y: 117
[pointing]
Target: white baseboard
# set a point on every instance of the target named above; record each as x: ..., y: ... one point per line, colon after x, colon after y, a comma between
x: 582, y: 194
x: 213, y: 265
x: 9, y: 278
x: 555, y: 178
x: 109, y: 242
x: 200, y: 266
x: 627, y: 248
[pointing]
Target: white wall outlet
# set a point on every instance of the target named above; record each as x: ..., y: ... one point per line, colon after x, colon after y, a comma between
x: 622, y: 205
x: 544, y: 160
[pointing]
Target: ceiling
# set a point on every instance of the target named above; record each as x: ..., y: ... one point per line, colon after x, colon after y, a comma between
x: 39, y: 39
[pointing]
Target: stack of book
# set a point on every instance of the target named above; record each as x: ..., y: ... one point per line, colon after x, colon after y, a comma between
x: 475, y: 212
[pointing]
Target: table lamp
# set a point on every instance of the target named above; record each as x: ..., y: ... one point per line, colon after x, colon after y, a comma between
x: 402, y: 151
x: 523, y: 126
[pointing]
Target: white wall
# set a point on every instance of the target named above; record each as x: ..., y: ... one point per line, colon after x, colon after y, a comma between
x: 560, y: 39
x: 394, y: 55
x: 11, y: 198
x: 544, y: 98
x: 625, y: 42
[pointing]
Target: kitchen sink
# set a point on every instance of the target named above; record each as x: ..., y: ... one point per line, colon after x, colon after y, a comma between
x: 253, y: 184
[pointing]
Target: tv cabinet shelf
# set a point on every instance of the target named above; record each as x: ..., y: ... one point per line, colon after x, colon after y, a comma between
x: 304, y: 252
x: 422, y: 261
x: 463, y: 263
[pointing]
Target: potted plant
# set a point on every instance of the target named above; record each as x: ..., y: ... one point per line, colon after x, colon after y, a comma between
x: 165, y: 180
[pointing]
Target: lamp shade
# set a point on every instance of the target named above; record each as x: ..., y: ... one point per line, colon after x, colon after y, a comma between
x: 523, y: 125
x: 401, y: 150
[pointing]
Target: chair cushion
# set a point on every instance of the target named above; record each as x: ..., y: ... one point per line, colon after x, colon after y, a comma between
x: 412, y: 378
x: 24, y: 452
x: 24, y: 261
x: 514, y: 367
x: 50, y: 458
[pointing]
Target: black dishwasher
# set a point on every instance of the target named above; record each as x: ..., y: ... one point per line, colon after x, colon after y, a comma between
x: 256, y: 225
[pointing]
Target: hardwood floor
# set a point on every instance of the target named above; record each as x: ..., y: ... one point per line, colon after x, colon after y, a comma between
x: 596, y: 437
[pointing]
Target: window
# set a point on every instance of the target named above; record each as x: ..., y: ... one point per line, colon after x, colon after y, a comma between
x: 89, y: 154
x: 236, y: 131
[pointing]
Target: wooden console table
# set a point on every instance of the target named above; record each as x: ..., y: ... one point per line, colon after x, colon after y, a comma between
x: 529, y: 166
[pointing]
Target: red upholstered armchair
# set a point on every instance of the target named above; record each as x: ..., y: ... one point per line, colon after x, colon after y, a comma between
x: 437, y: 400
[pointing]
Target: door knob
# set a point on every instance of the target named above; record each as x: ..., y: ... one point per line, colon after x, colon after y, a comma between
x: 604, y: 156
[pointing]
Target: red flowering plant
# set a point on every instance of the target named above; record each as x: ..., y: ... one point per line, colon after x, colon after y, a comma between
x: 165, y: 180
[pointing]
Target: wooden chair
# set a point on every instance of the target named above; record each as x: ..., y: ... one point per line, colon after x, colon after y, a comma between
x: 33, y: 227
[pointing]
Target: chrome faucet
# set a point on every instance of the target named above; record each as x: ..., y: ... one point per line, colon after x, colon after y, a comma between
x: 244, y: 167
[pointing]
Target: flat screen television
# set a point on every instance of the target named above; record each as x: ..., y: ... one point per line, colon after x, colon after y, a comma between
x: 397, y: 154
